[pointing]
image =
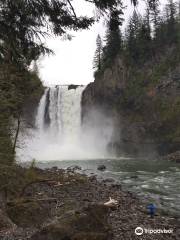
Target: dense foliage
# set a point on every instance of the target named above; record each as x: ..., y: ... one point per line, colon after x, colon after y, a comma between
x: 145, y: 36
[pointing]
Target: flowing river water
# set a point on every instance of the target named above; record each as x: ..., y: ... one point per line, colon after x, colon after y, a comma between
x: 59, y: 140
x: 155, y: 181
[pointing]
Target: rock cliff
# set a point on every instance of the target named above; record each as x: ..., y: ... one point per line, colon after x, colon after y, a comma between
x: 144, y: 102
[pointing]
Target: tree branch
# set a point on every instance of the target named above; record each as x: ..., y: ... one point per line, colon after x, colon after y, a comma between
x: 72, y: 8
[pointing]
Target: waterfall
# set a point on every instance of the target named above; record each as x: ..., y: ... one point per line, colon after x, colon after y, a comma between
x: 59, y: 113
x: 59, y: 135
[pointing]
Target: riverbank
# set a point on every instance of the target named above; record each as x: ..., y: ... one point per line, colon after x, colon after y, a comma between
x: 62, y: 204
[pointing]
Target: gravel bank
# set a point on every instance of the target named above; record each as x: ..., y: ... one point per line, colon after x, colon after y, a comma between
x: 73, y: 209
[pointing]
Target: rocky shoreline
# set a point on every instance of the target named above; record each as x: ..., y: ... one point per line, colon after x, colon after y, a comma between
x: 67, y: 205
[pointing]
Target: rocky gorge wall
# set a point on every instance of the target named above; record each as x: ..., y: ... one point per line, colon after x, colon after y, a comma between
x: 144, y: 102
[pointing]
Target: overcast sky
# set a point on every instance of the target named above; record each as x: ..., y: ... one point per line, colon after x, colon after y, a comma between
x: 72, y: 62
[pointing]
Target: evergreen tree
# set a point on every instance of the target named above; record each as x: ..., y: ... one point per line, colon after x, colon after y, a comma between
x: 132, y: 33
x: 23, y: 24
x: 178, y: 16
x: 172, y: 33
x: 153, y: 6
x: 144, y: 41
x: 97, y: 61
x: 113, y: 39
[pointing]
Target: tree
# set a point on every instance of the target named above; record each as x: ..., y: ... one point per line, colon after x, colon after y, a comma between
x: 153, y: 6
x: 97, y: 62
x: 172, y: 32
x: 113, y: 39
x: 132, y: 33
x: 23, y: 23
x: 144, y: 41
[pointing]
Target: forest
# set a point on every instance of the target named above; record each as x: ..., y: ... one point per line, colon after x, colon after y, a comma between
x: 144, y: 38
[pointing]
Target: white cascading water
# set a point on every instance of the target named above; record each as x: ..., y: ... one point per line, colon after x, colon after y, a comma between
x: 58, y: 134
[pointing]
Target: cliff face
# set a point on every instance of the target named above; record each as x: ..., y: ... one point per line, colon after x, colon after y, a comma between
x: 144, y: 103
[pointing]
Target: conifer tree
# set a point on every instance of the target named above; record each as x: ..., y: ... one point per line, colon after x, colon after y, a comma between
x: 97, y: 61
x: 113, y: 39
x: 154, y: 10
x: 172, y: 33
x: 132, y: 33
x: 144, y: 40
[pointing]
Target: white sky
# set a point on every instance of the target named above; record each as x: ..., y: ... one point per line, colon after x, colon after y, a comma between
x: 72, y: 62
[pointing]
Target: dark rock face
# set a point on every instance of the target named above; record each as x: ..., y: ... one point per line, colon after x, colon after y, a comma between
x: 73, y: 86
x: 146, y: 114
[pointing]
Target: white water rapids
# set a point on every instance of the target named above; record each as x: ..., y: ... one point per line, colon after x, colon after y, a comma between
x: 59, y: 134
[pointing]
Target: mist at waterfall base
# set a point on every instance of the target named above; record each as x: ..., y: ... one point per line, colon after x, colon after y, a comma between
x: 59, y: 134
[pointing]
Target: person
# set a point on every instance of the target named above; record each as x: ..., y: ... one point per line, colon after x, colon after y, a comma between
x: 151, y: 209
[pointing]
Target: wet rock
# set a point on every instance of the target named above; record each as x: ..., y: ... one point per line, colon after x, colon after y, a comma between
x: 108, y: 180
x: 92, y: 178
x: 74, y: 168
x: 134, y: 177
x: 174, y: 157
x: 73, y: 86
x: 116, y: 186
x: 101, y: 168
x: 54, y: 169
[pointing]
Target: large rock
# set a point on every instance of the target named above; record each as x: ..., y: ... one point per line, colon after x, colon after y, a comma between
x: 28, y: 214
x: 86, y: 224
x: 101, y: 168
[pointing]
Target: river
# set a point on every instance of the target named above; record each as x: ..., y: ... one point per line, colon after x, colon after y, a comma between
x: 154, y: 181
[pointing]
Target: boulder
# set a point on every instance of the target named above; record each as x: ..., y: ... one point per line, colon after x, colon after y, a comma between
x: 28, y: 214
x: 101, y: 168
x: 89, y: 223
x: 108, y: 180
